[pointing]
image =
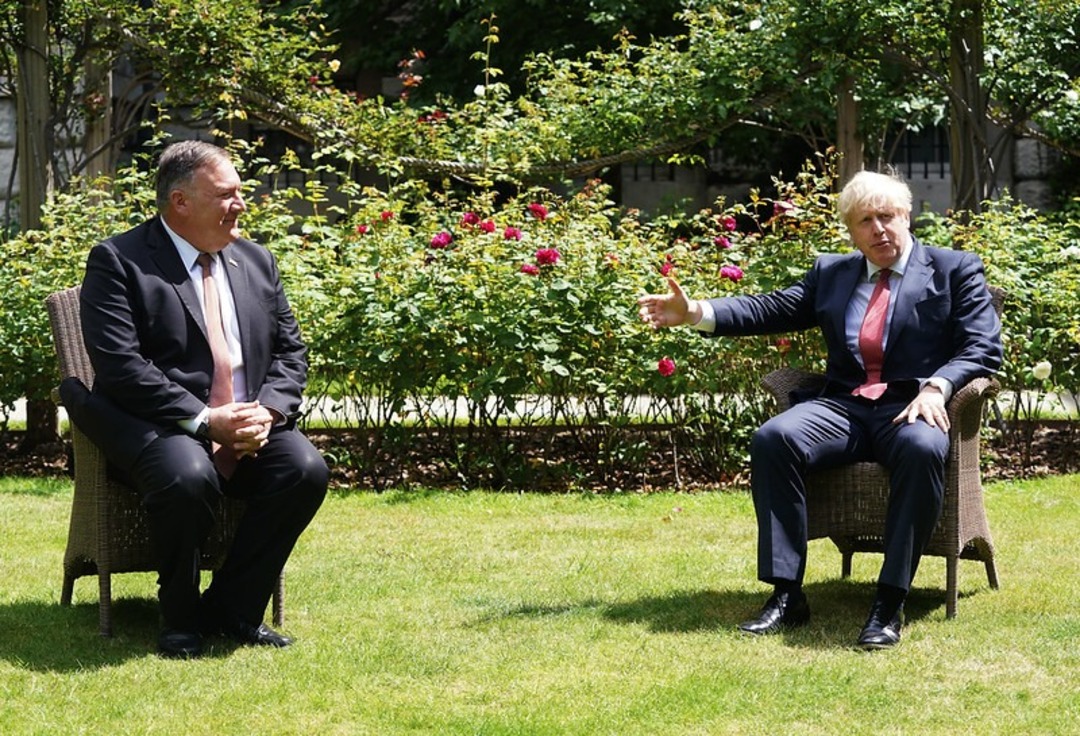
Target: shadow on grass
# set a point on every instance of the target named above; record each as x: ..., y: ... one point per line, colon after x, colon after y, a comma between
x: 44, y: 636
x: 839, y: 610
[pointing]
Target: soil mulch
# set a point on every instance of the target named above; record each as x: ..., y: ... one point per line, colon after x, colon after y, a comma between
x: 1032, y: 451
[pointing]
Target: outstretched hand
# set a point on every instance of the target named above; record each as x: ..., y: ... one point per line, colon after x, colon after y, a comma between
x: 668, y: 310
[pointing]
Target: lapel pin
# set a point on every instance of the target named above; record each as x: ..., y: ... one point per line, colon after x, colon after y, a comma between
x: 233, y: 263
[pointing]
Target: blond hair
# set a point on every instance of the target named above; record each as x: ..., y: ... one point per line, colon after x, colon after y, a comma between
x: 871, y: 190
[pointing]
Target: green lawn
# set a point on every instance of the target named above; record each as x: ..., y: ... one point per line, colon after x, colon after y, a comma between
x: 537, y: 614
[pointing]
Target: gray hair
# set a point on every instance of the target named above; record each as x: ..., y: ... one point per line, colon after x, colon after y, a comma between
x: 178, y: 164
x: 871, y: 189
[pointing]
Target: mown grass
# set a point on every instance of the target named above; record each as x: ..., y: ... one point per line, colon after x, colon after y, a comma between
x: 483, y: 613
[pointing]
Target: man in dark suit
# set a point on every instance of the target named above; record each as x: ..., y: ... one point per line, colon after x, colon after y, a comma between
x: 905, y: 325
x: 189, y: 402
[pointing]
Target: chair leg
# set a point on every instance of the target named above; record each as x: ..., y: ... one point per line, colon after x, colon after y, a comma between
x: 279, y: 601
x: 951, y: 593
x: 991, y: 573
x: 104, y: 604
x: 68, y: 590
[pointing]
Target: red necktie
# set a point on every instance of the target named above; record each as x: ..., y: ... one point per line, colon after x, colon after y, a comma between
x: 221, y: 388
x: 872, y: 337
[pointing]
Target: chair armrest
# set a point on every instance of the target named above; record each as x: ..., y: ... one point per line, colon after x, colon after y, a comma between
x: 971, y: 396
x: 966, y: 418
x: 781, y: 382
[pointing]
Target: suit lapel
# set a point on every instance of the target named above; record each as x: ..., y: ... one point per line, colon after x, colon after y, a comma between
x: 163, y: 251
x: 846, y: 278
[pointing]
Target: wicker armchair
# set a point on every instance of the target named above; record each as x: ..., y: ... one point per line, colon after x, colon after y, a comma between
x: 108, y: 532
x: 847, y: 504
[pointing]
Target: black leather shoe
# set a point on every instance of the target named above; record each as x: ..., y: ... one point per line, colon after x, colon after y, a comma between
x: 881, y: 630
x: 781, y: 611
x: 256, y: 636
x: 176, y: 644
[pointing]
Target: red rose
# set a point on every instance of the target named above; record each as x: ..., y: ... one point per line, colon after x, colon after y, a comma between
x: 666, y: 367
x: 539, y: 211
x: 512, y: 233
x: 547, y: 256
x: 731, y: 272
x: 441, y: 240
x: 530, y: 268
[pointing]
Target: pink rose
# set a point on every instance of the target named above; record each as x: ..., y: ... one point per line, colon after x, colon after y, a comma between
x: 666, y: 367
x: 666, y: 268
x: 469, y: 219
x: 721, y: 242
x: 511, y: 233
x: 362, y: 229
x: 547, y: 256
x: 441, y: 240
x: 386, y: 215
x: 488, y: 226
x: 539, y: 211
x: 731, y: 272
x: 728, y: 223
x: 530, y: 268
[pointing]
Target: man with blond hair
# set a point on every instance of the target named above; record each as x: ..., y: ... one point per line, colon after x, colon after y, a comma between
x: 905, y: 325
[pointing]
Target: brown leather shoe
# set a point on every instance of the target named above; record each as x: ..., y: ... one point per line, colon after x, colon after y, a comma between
x: 781, y: 611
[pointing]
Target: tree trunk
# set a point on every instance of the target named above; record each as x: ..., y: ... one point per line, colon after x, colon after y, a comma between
x: 848, y: 140
x: 96, y: 143
x: 32, y: 97
x: 34, y: 149
x: 967, y: 108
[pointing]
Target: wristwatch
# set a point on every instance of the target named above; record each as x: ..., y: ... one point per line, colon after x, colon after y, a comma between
x: 203, y: 430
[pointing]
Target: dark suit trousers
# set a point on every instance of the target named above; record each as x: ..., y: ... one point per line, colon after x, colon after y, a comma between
x: 829, y: 431
x: 283, y: 487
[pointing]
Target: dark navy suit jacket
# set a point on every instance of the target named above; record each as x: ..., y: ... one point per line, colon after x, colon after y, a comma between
x: 144, y: 331
x: 943, y: 324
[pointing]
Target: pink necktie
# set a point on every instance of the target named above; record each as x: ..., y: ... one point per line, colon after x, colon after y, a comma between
x: 221, y: 388
x: 872, y: 337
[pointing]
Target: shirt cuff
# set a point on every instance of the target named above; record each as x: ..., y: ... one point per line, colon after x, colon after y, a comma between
x: 192, y: 425
x: 707, y: 323
x: 942, y: 384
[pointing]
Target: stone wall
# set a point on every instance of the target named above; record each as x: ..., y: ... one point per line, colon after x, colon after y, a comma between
x: 7, y: 155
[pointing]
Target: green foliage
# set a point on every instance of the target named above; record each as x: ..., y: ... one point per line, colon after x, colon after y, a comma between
x: 37, y: 263
x: 472, y: 314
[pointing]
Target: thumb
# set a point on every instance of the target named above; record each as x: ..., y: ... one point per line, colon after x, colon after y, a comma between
x: 676, y: 289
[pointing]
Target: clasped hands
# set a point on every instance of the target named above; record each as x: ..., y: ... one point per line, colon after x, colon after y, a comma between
x: 674, y: 309
x: 243, y: 426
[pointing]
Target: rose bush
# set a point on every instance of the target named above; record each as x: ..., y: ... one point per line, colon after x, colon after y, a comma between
x: 503, y: 326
